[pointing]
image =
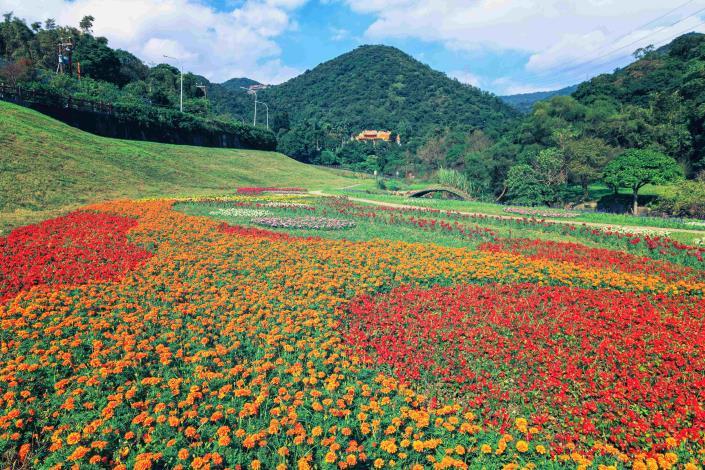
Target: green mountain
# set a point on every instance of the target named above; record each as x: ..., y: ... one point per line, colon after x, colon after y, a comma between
x: 381, y: 87
x: 235, y: 84
x: 524, y: 102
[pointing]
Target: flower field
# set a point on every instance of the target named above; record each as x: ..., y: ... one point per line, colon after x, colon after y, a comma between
x: 136, y: 335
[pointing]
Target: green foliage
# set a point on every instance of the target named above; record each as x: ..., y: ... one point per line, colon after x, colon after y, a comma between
x: 524, y: 102
x: 541, y: 181
x: 636, y: 168
x: 687, y: 199
x: 454, y: 179
x: 586, y: 158
x: 141, y: 95
x: 524, y: 186
x: 380, y: 87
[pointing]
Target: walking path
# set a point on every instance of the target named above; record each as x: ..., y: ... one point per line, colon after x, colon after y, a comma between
x: 631, y: 228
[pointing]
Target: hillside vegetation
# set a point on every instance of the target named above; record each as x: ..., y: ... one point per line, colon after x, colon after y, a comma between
x: 381, y: 87
x: 524, y: 102
x: 47, y: 166
x: 653, y: 104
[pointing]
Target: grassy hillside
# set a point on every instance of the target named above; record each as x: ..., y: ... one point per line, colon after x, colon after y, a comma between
x: 47, y: 167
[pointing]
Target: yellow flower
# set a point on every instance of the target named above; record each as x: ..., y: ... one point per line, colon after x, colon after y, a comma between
x: 486, y: 449
x: 522, y: 446
x: 379, y: 463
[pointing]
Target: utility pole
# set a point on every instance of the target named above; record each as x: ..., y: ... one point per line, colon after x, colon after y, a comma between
x: 65, y: 53
x: 267, y: 107
x: 252, y: 92
x: 181, y: 94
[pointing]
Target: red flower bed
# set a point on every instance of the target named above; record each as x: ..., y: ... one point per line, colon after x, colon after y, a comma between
x: 256, y: 190
x: 74, y: 249
x: 589, y: 257
x: 585, y: 364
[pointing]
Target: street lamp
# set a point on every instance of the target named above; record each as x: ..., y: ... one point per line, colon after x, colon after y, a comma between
x: 267, y: 107
x: 181, y: 68
x: 250, y: 92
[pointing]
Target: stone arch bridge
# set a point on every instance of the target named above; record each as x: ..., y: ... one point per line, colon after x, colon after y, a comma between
x: 436, y: 189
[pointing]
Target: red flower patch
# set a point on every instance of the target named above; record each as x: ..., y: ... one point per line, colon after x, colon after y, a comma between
x: 75, y: 249
x: 586, y: 364
x: 589, y: 257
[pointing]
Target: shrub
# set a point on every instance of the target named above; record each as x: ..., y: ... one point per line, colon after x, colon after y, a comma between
x: 454, y: 179
x: 686, y: 200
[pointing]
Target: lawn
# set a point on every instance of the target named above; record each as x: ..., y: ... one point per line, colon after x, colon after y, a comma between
x: 500, y: 209
x: 47, y: 168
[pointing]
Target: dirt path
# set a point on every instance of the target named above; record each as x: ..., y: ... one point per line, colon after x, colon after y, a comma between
x: 630, y: 228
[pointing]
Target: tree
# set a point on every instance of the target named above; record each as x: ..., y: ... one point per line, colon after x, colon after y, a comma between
x: 97, y: 60
x: 636, y: 168
x: 524, y: 186
x: 86, y: 24
x: 15, y: 72
x: 539, y: 182
x: 585, y: 160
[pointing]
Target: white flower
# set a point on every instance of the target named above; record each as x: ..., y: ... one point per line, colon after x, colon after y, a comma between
x: 240, y: 212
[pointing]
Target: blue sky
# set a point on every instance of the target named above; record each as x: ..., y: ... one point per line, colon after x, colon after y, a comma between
x: 503, y: 46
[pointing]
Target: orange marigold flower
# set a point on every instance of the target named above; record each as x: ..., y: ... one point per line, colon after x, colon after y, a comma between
x: 79, y: 453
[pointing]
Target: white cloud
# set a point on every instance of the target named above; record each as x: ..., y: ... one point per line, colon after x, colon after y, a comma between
x: 507, y: 86
x: 216, y: 44
x: 551, y: 32
x: 466, y: 77
x: 339, y: 34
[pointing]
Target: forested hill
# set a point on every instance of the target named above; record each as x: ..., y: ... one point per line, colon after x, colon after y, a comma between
x: 235, y: 84
x: 381, y: 87
x: 657, y: 101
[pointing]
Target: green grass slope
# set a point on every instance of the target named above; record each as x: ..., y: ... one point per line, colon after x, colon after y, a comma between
x: 47, y: 167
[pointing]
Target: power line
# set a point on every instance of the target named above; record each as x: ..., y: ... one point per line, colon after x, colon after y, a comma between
x: 611, y: 53
x: 665, y: 15
x: 641, y: 39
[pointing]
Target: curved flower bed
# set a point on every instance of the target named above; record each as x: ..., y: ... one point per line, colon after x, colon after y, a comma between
x: 308, y: 222
x: 290, y: 205
x: 240, y: 212
x: 255, y: 190
x: 541, y: 212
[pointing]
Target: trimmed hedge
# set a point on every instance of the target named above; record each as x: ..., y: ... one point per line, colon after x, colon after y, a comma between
x: 142, y: 122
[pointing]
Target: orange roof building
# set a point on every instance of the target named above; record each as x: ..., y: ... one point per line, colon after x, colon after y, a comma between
x: 374, y: 135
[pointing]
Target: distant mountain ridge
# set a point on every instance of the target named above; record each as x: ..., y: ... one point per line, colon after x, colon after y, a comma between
x: 524, y: 102
x: 234, y: 84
